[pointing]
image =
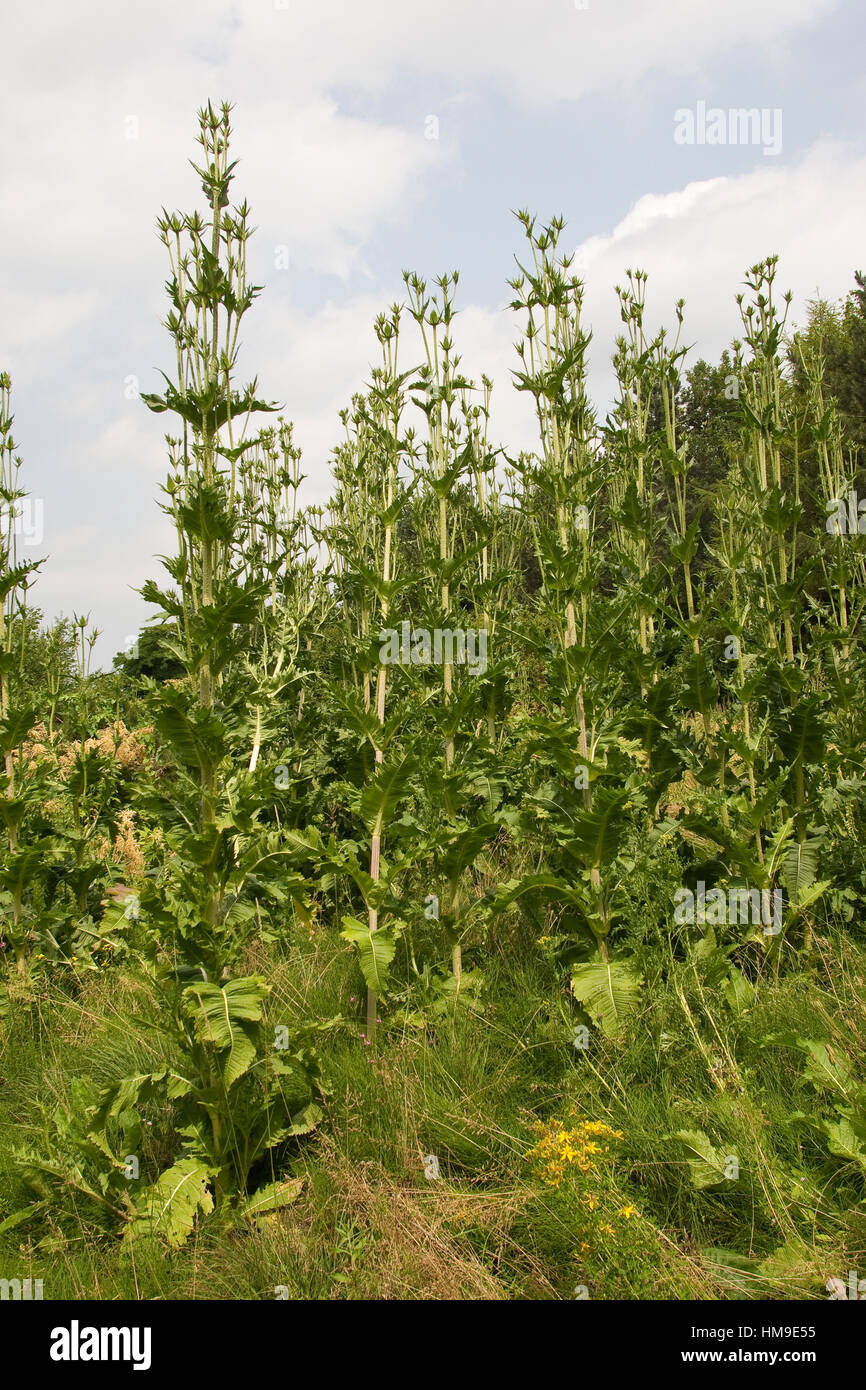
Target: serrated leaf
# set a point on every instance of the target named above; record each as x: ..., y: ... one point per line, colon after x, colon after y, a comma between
x: 274, y: 1197
x: 376, y: 950
x: 168, y: 1208
x: 222, y: 1016
x: 706, y: 1163
x: 381, y: 795
x: 608, y: 990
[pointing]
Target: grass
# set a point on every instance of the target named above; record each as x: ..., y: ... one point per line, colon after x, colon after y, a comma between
x: 368, y: 1223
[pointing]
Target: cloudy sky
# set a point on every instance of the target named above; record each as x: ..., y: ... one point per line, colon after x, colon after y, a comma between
x: 373, y: 136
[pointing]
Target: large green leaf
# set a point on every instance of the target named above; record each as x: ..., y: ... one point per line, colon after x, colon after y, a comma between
x: 137, y: 1089
x: 381, y: 795
x: 800, y: 867
x: 802, y: 737
x: 273, y: 1198
x: 843, y: 1140
x: 823, y: 1068
x: 700, y: 689
x: 197, y: 737
x: 598, y: 832
x: 222, y: 1016
x: 376, y: 951
x: 168, y: 1208
x: 219, y: 1007
x: 543, y: 885
x: 465, y: 846
x: 20, y: 868
x: 14, y: 728
x: 707, y: 1164
x: 608, y: 990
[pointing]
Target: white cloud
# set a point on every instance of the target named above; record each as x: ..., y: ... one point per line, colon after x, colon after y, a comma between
x: 653, y: 208
x: 332, y: 179
x: 697, y: 243
x: 541, y: 55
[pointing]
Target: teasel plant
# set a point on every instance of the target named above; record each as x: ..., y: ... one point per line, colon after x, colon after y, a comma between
x: 843, y: 556
x: 227, y: 871
x: 587, y: 804
x: 675, y: 468
x: 634, y: 485
x: 210, y: 294
x: 747, y: 726
x: 768, y: 471
x: 442, y: 386
x: 372, y: 491
x: 835, y: 656
x: 654, y: 541
x: 698, y: 692
x: 279, y: 548
x: 773, y: 737
x: 236, y: 1096
x: 731, y: 546
x: 355, y: 545
x: 495, y: 543
x: 767, y: 464
x: 451, y: 536
x: 564, y: 476
x: 565, y: 472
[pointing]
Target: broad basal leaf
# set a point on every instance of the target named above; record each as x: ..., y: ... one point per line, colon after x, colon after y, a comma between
x: 609, y: 991
x: 273, y: 1198
x: 168, y: 1208
x: 707, y: 1164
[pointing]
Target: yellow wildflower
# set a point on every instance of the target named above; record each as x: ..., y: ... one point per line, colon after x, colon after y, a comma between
x: 558, y: 1147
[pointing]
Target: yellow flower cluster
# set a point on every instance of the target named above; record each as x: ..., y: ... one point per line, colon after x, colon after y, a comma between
x: 559, y: 1149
